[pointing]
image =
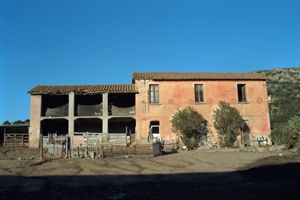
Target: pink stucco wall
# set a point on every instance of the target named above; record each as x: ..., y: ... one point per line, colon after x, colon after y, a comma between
x: 180, y: 94
x: 35, y: 116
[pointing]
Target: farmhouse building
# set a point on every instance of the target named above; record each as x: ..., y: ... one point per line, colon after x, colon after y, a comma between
x: 141, y: 111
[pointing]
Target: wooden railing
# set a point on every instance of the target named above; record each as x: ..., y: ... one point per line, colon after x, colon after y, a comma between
x: 119, y: 139
x: 16, y: 139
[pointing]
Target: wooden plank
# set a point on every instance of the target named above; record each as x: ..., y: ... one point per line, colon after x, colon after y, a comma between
x: 118, y: 139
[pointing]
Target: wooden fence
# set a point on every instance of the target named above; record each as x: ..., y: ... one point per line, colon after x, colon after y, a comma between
x: 16, y: 139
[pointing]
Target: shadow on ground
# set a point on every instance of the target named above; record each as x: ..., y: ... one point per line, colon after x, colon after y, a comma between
x: 267, y: 182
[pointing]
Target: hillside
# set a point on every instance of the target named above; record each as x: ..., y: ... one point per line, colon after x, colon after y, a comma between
x: 284, y: 88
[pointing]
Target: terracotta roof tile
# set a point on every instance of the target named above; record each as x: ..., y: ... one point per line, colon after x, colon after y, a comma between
x: 89, y: 89
x: 196, y: 76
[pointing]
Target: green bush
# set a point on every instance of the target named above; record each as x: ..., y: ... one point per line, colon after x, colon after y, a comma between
x: 190, y: 125
x: 190, y: 143
x: 287, y: 133
x: 279, y: 134
x: 293, y: 131
x: 229, y: 123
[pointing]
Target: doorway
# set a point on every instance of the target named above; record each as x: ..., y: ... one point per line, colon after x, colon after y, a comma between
x: 154, y: 131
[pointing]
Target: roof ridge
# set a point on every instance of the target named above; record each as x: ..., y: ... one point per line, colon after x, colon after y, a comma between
x: 195, y: 72
x: 198, y: 75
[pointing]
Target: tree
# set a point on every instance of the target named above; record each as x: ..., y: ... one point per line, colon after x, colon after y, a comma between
x: 229, y: 123
x: 6, y: 123
x: 18, y: 122
x: 190, y: 125
x: 279, y: 133
x: 293, y: 131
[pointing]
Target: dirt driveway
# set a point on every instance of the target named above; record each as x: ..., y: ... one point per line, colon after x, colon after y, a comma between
x: 189, y: 174
x: 183, y: 162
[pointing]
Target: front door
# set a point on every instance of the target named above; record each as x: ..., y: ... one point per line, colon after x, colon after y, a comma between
x: 154, y: 133
x: 245, y: 138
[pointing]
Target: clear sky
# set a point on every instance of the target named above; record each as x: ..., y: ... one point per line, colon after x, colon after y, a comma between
x: 100, y: 42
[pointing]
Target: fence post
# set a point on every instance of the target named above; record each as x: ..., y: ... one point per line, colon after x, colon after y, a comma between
x: 4, y: 136
x: 41, y: 147
x: 66, y: 146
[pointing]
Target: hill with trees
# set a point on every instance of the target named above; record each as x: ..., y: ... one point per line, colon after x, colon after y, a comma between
x: 284, y: 88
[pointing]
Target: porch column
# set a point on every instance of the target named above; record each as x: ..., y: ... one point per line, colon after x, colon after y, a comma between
x: 35, y: 120
x: 105, y: 113
x: 71, y: 114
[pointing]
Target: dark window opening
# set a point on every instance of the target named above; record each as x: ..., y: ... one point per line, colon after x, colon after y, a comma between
x: 154, y: 93
x: 88, y: 125
x: 241, y: 89
x: 205, y: 123
x: 54, y: 126
x: 121, y: 125
x: 121, y: 104
x: 199, y: 94
x: 88, y: 105
x: 154, y: 125
x: 55, y: 105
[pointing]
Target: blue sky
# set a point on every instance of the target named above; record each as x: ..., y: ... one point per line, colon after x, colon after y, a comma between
x: 99, y: 42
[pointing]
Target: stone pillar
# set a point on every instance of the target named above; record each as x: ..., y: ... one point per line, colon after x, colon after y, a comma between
x: 35, y: 120
x: 71, y: 114
x: 105, y: 113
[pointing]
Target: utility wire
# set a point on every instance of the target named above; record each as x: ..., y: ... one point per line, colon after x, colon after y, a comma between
x: 62, y: 44
x: 82, y: 52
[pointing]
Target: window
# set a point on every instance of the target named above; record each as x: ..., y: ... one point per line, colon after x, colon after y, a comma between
x: 154, y: 93
x: 199, y: 93
x: 241, y: 89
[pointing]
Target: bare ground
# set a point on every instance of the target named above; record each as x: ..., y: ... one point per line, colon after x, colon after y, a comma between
x: 189, y: 174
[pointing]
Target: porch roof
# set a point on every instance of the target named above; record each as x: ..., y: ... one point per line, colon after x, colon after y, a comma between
x: 83, y: 89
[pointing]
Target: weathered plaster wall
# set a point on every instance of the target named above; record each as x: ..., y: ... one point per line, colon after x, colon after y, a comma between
x: 180, y: 94
x: 35, y: 114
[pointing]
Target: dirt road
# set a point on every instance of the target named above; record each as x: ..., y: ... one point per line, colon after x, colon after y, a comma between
x: 183, y: 162
x: 188, y: 174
